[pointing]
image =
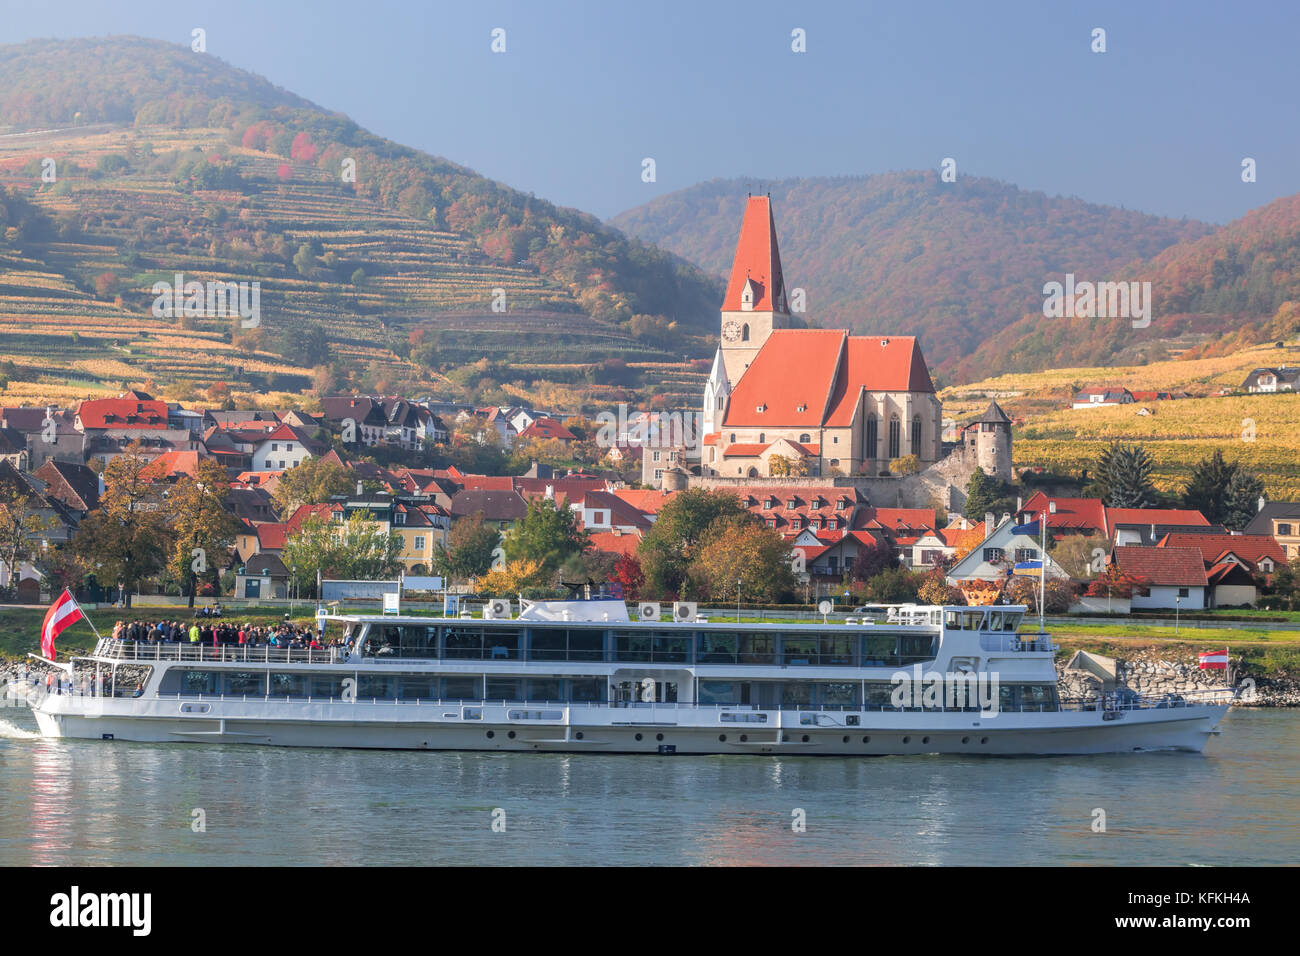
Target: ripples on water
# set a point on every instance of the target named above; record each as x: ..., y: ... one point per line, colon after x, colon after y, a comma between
x: 92, y: 802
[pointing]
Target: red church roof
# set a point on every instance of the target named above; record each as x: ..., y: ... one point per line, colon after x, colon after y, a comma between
x: 122, y: 413
x: 757, y: 259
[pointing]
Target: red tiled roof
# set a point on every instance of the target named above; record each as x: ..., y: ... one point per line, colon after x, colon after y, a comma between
x: 883, y: 363
x: 740, y: 450
x: 758, y: 260
x: 1251, y: 548
x: 645, y: 500
x: 834, y: 368
x: 1171, y: 567
x: 614, y: 542
x: 122, y: 413
x: 271, y: 535
x: 487, y: 482
x: 547, y: 428
x: 1182, y: 516
x: 171, y: 464
x: 1080, y: 514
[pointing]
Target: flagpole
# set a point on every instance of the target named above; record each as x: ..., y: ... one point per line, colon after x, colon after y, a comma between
x: 84, y: 615
x: 1042, y: 576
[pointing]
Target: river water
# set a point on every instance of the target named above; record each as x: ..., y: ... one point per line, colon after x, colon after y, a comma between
x: 67, y: 802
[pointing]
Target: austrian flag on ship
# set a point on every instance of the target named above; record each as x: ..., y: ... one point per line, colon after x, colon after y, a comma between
x: 63, y: 613
x: 1214, y: 660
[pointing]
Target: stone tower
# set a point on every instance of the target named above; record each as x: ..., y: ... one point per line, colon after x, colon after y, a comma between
x: 992, y: 437
x: 755, y: 302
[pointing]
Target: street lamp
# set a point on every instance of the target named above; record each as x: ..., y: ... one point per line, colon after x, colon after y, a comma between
x: 737, y: 600
x: 1178, y: 603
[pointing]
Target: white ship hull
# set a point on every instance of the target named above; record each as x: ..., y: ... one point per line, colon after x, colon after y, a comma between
x: 627, y: 730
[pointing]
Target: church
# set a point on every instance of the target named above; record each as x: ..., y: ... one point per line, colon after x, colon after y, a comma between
x: 816, y: 402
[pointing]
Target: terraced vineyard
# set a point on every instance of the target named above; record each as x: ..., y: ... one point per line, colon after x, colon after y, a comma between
x: 1258, y: 430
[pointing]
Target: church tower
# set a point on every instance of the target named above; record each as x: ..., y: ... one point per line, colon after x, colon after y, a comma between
x: 756, y: 302
x: 717, y: 390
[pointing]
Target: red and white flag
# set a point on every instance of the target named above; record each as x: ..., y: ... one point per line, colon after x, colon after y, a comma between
x: 1214, y: 660
x: 63, y: 613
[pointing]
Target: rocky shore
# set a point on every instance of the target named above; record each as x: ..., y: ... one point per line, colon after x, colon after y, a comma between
x: 1154, y: 671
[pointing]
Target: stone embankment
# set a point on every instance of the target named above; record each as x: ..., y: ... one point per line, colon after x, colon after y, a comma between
x: 1152, y: 671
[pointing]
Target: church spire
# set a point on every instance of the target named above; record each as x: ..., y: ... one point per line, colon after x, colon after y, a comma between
x: 756, y: 282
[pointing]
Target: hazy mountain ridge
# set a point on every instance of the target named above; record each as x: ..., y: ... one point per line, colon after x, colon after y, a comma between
x: 904, y: 252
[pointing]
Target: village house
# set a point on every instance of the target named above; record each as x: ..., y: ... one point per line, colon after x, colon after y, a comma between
x: 1102, y: 397
x: 1280, y: 520
x: 1175, y: 577
x: 1266, y: 380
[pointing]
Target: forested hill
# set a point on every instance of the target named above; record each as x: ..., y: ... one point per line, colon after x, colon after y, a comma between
x: 173, y: 161
x: 906, y: 253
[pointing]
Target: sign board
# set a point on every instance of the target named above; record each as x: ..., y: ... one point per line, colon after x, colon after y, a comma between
x: 392, y: 602
x: 450, y: 605
x: 418, y: 583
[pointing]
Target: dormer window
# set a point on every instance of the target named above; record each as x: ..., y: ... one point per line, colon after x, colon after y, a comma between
x: 760, y: 408
x: 802, y: 408
x: 747, y: 297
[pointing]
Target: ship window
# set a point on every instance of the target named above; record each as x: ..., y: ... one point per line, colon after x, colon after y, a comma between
x: 504, y: 688
x: 419, y: 687
x: 288, y: 685
x: 463, y: 643
x: 547, y: 644
x: 757, y: 649
x: 545, y: 689
x: 839, y: 695
x: 1013, y: 621
x: 190, y: 682
x: 719, y: 692
x: 631, y: 646
x: 995, y: 621
x: 372, y: 687
x: 671, y: 649
x: 837, y: 649
x: 799, y: 650
x: 327, y: 687
x: 587, y: 690
x: 586, y: 645
x: 458, y: 688
x: 796, y: 694
x: 245, y: 682
x: 879, y: 694
x: 716, y: 648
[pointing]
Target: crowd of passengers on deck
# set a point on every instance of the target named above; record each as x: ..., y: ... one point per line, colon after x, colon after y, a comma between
x: 204, y: 634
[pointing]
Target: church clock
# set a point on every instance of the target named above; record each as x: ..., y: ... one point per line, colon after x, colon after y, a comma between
x: 731, y: 331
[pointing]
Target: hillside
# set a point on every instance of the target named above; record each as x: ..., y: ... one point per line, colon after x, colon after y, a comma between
x: 1258, y: 430
x: 166, y: 161
x: 903, y: 252
x: 1235, y: 287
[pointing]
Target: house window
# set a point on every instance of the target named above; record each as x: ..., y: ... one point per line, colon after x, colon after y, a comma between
x: 282, y: 463
x: 656, y: 458
x: 289, y: 446
x: 744, y: 332
x: 419, y: 542
x: 895, y: 436
x: 916, y: 435
x: 1283, y: 529
x: 659, y: 473
x: 1026, y: 554
x: 790, y: 503
x: 993, y: 554
x: 733, y: 437
x: 805, y: 437
x: 1184, y: 592
x: 873, y: 437
x: 274, y: 447
x: 762, y: 438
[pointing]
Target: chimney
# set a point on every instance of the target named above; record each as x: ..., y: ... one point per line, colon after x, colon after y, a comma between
x: 1051, y: 507
x: 359, y: 491
x: 988, y: 523
x: 1261, y: 503
x: 1020, y: 504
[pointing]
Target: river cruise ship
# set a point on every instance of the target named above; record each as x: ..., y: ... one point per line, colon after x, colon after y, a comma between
x: 585, y: 676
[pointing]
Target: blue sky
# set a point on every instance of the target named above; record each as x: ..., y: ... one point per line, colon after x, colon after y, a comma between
x: 710, y: 88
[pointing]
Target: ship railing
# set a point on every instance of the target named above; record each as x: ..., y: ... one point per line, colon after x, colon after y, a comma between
x: 1016, y: 643
x: 147, y: 652
x: 1174, y: 699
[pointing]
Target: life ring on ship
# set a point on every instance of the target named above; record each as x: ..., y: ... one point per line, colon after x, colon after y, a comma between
x: 1015, y: 644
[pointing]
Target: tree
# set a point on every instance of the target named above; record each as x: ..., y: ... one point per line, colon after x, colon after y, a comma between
x: 669, y: 547
x: 893, y: 586
x: 548, y: 534
x: 1207, y: 488
x: 202, y: 529
x: 984, y: 494
x: 126, y: 539
x: 356, y: 549
x: 782, y: 467
x: 741, y: 552
x: 1112, y: 582
x: 935, y: 590
x: 304, y: 260
x: 1077, y: 553
x: 907, y: 465
x: 312, y: 482
x: 469, y: 549
x: 1286, y: 585
x: 1124, y: 477
x: 872, y: 559
x: 1024, y: 590
x: 627, y: 572
x: 513, y: 578
x: 1241, y: 503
